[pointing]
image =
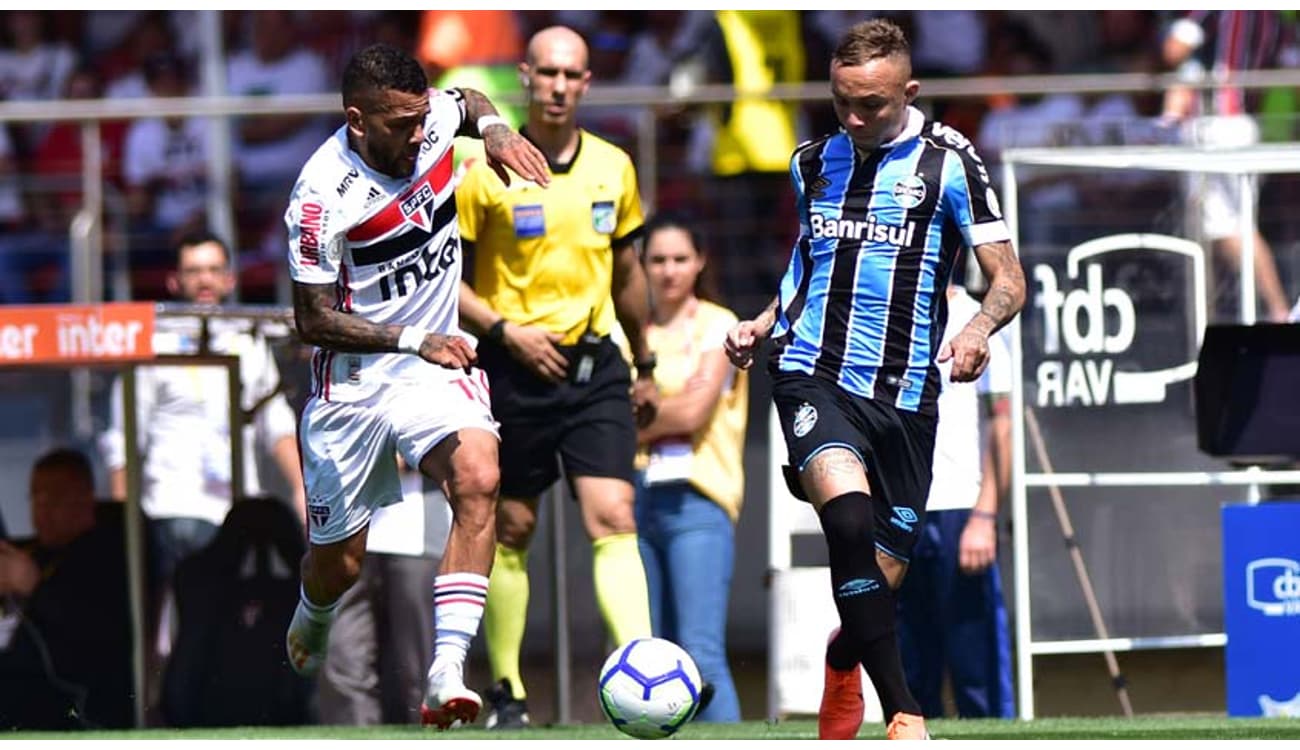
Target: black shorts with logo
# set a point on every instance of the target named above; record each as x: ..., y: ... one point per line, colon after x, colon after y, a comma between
x: 590, y: 425
x: 895, y: 446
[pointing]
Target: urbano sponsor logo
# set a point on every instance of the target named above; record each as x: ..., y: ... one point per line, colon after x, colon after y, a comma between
x: 870, y: 230
x: 1273, y: 586
x: 311, y: 218
x: 1086, y: 324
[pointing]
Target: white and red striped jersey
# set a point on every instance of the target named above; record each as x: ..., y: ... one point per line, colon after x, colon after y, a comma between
x: 390, y: 247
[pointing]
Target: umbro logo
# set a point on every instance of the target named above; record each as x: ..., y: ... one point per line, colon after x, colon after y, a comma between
x: 817, y: 188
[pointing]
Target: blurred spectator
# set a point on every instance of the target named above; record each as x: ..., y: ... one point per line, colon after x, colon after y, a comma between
x: 752, y: 140
x: 33, y: 262
x: 56, y: 162
x: 31, y: 66
x: 1075, y: 35
x: 184, y: 418
x: 946, y: 43
x: 1048, y: 203
x: 379, y: 651
x: 67, y: 661
x: 151, y: 37
x: 165, y: 168
x: 270, y: 150
x: 691, y: 484
x: 1223, y: 42
x: 952, y: 620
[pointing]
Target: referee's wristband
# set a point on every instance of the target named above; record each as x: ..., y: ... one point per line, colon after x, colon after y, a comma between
x: 410, y: 340
x: 987, y: 515
x: 487, y: 121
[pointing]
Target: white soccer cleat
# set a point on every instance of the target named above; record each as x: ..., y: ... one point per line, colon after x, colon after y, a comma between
x: 447, y: 702
x: 306, y: 643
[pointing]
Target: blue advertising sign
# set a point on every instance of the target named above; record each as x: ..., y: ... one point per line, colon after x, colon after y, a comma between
x: 1261, y: 589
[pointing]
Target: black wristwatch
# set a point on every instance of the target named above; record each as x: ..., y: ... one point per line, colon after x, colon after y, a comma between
x: 646, y: 367
x: 497, y: 333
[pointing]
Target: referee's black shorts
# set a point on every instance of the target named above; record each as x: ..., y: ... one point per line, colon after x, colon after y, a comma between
x: 590, y: 426
x: 895, y: 446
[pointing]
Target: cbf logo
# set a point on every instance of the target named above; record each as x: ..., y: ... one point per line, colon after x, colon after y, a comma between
x: 1086, y: 324
x: 1273, y: 586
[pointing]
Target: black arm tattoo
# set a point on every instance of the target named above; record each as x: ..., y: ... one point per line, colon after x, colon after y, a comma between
x: 321, y: 325
x: 1006, y: 294
x: 476, y: 105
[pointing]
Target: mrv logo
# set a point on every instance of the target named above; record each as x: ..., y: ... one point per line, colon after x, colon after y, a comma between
x: 869, y: 230
x: 1086, y: 323
x: 1273, y: 586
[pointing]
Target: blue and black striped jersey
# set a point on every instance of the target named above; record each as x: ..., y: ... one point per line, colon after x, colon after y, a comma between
x: 861, y: 303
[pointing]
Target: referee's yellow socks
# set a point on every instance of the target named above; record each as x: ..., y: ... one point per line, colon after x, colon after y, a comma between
x: 621, y: 590
x: 505, y: 615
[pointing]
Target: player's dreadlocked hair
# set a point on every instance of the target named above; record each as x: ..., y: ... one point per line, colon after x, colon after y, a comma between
x: 379, y: 67
x: 872, y: 40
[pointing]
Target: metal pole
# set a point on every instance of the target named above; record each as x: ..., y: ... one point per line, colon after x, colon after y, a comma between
x: 1019, y: 494
x: 560, y: 605
x: 235, y: 389
x: 212, y: 75
x: 648, y: 163
x: 134, y: 525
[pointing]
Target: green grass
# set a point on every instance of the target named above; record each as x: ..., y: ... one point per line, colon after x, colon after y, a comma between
x: 1144, y: 728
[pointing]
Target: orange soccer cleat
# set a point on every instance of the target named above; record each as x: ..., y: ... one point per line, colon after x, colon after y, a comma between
x: 906, y: 727
x: 840, y: 715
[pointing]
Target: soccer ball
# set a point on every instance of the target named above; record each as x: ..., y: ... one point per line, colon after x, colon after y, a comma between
x: 649, y: 688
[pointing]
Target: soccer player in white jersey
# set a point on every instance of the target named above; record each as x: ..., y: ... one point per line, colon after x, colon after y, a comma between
x: 374, y: 253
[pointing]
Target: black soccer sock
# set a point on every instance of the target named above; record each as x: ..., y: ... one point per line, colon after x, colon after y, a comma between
x: 865, y: 602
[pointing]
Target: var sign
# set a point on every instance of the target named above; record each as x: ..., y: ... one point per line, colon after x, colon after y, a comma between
x: 1090, y: 329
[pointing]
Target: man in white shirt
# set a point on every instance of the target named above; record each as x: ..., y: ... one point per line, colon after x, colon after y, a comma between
x: 183, y: 419
x: 951, y: 614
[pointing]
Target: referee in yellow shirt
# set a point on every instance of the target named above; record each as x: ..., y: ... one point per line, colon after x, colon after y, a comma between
x: 554, y: 270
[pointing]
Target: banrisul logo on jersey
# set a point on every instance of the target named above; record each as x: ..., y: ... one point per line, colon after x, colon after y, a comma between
x: 871, y: 230
x: 1121, y: 322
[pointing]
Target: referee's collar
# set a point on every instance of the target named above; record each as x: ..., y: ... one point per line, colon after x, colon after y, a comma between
x: 565, y: 167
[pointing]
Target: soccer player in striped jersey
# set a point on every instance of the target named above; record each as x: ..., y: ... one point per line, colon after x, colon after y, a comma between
x: 885, y: 204
x: 374, y: 252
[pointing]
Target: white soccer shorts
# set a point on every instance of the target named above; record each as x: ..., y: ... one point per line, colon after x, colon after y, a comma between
x: 349, y: 450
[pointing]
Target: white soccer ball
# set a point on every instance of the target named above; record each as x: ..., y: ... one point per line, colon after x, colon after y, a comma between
x: 649, y: 688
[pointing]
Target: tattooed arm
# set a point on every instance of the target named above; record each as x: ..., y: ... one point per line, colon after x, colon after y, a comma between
x: 504, y: 147
x: 319, y: 324
x: 969, y: 349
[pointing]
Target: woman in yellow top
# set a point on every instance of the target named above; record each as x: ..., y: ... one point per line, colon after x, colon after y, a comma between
x: 690, y: 488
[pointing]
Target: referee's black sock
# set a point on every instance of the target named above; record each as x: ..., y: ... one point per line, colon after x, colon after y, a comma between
x: 865, y: 602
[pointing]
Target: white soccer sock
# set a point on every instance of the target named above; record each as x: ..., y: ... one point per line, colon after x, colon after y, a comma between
x: 314, y: 617
x: 458, y: 600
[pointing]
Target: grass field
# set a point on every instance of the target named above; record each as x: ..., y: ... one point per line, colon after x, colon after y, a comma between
x: 1146, y: 728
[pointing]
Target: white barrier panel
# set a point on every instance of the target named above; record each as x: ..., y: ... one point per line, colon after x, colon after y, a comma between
x: 803, y: 614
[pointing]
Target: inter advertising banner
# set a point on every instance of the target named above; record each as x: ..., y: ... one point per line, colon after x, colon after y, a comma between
x: 72, y: 334
x: 1261, y: 589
